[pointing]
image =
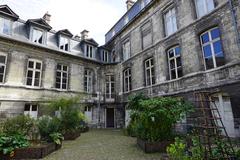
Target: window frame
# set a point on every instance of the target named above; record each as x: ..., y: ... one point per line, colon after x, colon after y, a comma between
x: 111, y: 86
x: 4, y: 19
x: 205, y: 7
x: 62, y: 71
x: 145, y: 32
x: 31, y: 110
x: 124, y: 49
x: 175, y: 62
x: 43, y: 35
x: 127, y: 77
x: 165, y: 21
x: 88, y: 79
x: 5, y: 66
x: 211, y: 42
x: 34, y: 70
x: 105, y: 56
x: 64, y: 46
x: 152, y: 73
x: 89, y: 51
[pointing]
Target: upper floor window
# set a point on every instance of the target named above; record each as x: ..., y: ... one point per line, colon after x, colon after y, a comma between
x: 34, y: 72
x: 110, y: 86
x: 146, y: 31
x: 127, y: 80
x: 126, y: 50
x: 37, y: 36
x: 6, y: 26
x: 203, y: 7
x: 61, y: 77
x: 114, y: 56
x: 212, y: 48
x: 3, y: 62
x: 105, y: 55
x: 149, y: 72
x: 88, y: 81
x: 170, y: 21
x: 89, y: 51
x: 174, y: 62
x: 64, y: 43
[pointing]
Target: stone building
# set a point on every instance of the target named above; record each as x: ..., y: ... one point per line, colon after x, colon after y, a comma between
x: 160, y: 48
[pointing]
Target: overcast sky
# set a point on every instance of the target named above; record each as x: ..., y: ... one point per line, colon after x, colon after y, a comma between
x: 97, y: 16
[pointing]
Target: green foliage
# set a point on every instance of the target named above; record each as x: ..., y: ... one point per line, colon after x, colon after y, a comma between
x: 8, y: 143
x: 56, y: 138
x: 176, y: 151
x: 238, y: 154
x: 19, y: 125
x: 132, y: 128
x: 155, y: 117
x: 48, y: 125
x: 196, y: 149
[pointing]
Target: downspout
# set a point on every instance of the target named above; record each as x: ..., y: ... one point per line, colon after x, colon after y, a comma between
x: 234, y: 19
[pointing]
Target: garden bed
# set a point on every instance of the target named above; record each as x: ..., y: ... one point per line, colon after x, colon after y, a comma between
x: 152, y: 147
x: 72, y: 135
x: 34, y: 152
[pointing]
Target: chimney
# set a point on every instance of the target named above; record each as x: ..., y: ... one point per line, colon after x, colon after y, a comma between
x: 129, y: 3
x: 47, y: 17
x: 84, y: 34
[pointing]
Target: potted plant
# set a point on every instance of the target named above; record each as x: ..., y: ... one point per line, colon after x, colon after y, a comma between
x: 155, y: 119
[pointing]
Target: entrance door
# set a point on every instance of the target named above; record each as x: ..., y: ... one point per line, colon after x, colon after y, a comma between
x: 88, y: 113
x: 110, y: 117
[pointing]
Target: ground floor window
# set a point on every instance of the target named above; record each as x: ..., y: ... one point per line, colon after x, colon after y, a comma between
x: 88, y: 113
x: 31, y: 110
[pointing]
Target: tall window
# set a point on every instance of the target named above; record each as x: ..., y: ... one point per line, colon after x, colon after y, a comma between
x: 105, y: 56
x: 127, y: 80
x: 6, y: 26
x: 64, y: 44
x: 149, y: 72
x: 146, y: 35
x: 110, y: 86
x: 3, y: 62
x: 174, y: 62
x: 31, y: 110
x: 34, y: 71
x: 61, y: 77
x: 37, y: 36
x: 126, y: 50
x: 212, y: 48
x: 88, y: 81
x: 203, y: 7
x: 89, y: 51
x: 170, y: 21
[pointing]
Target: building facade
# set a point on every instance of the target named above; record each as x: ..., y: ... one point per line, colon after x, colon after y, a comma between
x: 159, y: 48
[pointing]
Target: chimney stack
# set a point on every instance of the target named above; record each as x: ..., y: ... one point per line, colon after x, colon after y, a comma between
x: 129, y: 3
x: 47, y: 17
x: 84, y: 34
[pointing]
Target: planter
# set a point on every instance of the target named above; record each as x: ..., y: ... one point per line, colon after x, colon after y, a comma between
x: 72, y: 135
x: 32, y: 152
x: 152, y: 147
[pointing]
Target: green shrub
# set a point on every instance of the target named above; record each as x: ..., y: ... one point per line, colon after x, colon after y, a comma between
x: 56, y: 138
x: 48, y: 125
x: 177, y: 150
x: 8, y: 143
x: 19, y: 125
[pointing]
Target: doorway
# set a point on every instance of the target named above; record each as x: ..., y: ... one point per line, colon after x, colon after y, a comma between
x: 110, y: 117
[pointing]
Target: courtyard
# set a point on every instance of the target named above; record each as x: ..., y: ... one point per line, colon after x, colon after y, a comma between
x: 102, y: 145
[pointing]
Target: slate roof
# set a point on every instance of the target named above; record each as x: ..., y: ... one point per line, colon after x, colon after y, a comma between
x: 6, y: 11
x: 39, y: 23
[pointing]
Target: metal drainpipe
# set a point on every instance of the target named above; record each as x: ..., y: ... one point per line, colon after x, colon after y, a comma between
x: 234, y: 18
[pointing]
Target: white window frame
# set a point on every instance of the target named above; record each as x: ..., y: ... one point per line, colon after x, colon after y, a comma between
x: 146, y: 31
x: 109, y: 84
x: 31, y: 113
x: 34, y: 30
x: 62, y: 71
x: 62, y: 42
x: 149, y: 69
x: 175, y: 61
x: 170, y: 16
x: 205, y: 9
x: 89, y: 51
x: 105, y: 56
x: 126, y: 51
x: 34, y: 70
x: 211, y: 42
x: 127, y: 86
x: 88, y: 79
x: 4, y: 65
x: 2, y: 25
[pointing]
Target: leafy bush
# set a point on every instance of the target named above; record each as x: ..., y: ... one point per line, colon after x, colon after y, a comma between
x: 8, y: 143
x: 155, y: 117
x: 56, y: 138
x: 19, y: 125
x: 177, y: 150
x: 48, y: 125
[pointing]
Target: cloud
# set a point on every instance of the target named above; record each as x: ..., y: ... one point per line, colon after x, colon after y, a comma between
x: 97, y: 16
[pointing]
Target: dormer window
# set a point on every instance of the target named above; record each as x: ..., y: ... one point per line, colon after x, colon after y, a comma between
x: 6, y: 26
x: 64, y: 44
x: 89, y: 51
x: 105, y: 57
x: 37, y: 36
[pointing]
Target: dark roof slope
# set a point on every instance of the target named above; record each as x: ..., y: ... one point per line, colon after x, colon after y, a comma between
x: 6, y: 11
x: 40, y: 23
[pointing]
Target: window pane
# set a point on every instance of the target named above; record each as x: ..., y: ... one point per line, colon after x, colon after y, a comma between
x: 172, y: 64
x: 27, y: 107
x: 64, y: 75
x: 59, y: 67
x: 217, y: 47
x: 177, y: 51
x: 2, y: 69
x: 173, y: 74
x: 215, y: 33
x: 29, y: 81
x: 205, y: 38
x: 30, y: 74
x: 64, y: 80
x: 179, y: 63
x: 209, y: 63
x: 38, y: 65
x: 180, y: 74
x: 171, y: 53
x: 2, y: 59
x: 210, y: 5
x: 1, y: 78
x: 58, y: 74
x: 36, y: 82
x: 65, y: 68
x: 30, y: 64
x: 58, y: 80
x: 34, y: 107
x: 57, y: 85
x: 64, y: 86
x: 207, y: 51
